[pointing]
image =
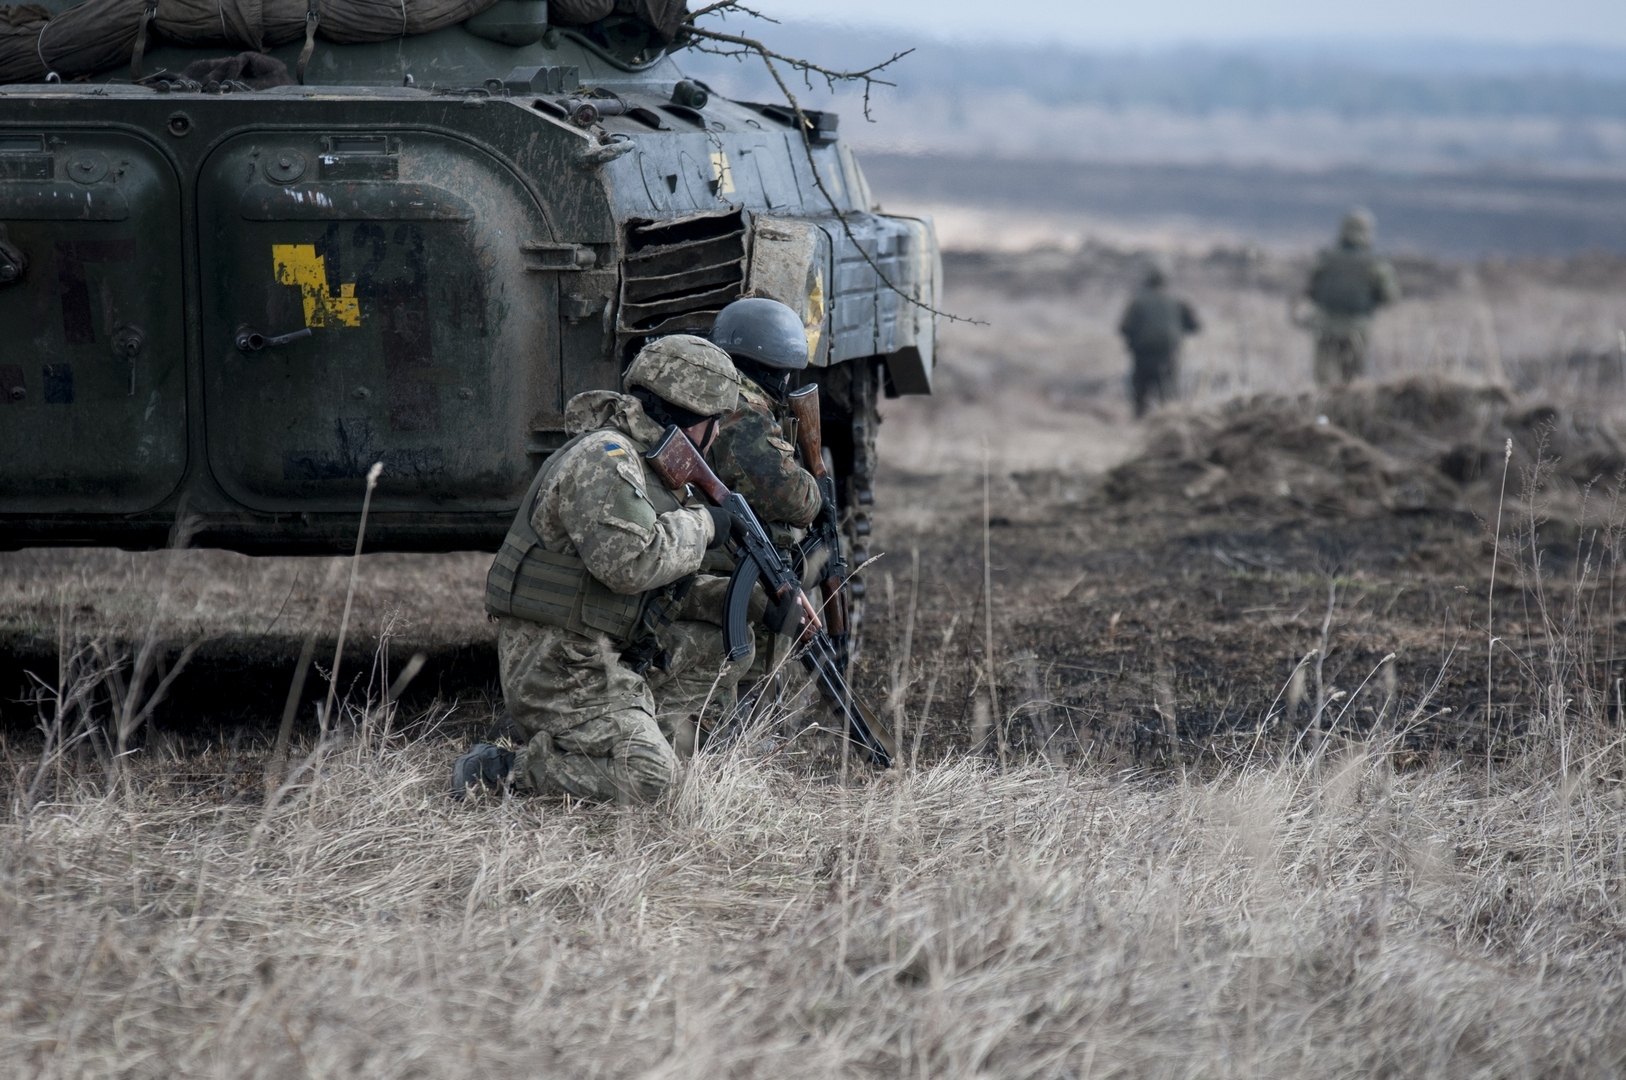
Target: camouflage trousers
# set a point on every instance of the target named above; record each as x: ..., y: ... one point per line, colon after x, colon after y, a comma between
x: 1340, y: 350
x: 596, y: 729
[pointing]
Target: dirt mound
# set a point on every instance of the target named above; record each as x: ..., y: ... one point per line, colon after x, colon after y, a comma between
x: 1413, y: 446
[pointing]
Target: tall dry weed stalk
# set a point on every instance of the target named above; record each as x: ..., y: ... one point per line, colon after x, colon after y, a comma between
x: 990, y: 665
x: 325, y: 716
x: 1490, y: 596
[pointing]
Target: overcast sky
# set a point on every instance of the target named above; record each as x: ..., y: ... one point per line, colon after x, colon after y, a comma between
x: 1163, y: 22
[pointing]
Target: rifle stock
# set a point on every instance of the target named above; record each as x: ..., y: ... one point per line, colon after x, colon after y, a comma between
x: 804, y: 405
x: 677, y: 462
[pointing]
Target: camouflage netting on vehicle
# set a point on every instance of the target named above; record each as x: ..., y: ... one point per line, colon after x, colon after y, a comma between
x: 100, y: 35
x: 1418, y: 445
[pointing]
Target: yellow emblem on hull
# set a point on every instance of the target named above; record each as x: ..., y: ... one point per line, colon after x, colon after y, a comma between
x: 299, y: 264
x: 721, y: 173
x: 815, y: 316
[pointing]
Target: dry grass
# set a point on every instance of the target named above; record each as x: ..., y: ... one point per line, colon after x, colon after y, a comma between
x: 1329, y: 917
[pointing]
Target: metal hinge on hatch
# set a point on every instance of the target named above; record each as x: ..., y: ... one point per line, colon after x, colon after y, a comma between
x: 542, y: 257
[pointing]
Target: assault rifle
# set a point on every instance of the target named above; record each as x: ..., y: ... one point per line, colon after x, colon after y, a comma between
x: 826, y: 530
x: 677, y: 462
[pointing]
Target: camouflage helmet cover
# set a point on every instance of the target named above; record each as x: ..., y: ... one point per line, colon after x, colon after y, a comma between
x: 688, y: 371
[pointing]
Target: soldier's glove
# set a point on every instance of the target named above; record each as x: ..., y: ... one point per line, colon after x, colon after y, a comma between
x: 785, y: 617
x: 722, y: 523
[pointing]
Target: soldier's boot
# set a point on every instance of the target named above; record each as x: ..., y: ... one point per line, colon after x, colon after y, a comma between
x: 484, y: 766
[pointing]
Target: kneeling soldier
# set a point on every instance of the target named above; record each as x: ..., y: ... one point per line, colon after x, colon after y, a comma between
x: 597, y: 648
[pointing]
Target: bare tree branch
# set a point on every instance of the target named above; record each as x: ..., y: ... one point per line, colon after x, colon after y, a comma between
x: 745, y: 46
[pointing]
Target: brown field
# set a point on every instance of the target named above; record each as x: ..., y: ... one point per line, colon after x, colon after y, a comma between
x: 1213, y: 781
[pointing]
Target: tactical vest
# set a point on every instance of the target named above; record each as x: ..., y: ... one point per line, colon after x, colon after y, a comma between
x: 530, y: 582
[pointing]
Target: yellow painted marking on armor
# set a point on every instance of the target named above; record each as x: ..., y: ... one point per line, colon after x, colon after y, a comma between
x: 299, y: 264
x: 815, y: 315
x: 721, y: 172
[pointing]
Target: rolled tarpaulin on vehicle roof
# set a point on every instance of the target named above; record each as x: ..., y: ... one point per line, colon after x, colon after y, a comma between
x: 100, y: 35
x: 86, y: 38
x: 578, y: 12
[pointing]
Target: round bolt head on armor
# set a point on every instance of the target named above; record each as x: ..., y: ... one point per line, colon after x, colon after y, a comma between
x: 688, y: 371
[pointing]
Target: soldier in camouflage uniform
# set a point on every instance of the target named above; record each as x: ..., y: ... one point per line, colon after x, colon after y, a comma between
x: 1153, y: 326
x: 605, y: 649
x: 1347, y: 285
x: 755, y: 451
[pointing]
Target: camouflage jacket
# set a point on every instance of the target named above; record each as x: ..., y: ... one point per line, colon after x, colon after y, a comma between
x: 607, y: 507
x: 753, y: 457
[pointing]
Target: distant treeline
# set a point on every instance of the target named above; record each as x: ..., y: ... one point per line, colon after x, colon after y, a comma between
x: 1408, y: 78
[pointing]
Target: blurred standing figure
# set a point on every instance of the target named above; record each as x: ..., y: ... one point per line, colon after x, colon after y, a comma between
x: 1347, y: 284
x: 1153, y: 326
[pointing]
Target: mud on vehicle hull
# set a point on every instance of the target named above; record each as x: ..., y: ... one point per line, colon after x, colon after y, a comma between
x: 225, y: 306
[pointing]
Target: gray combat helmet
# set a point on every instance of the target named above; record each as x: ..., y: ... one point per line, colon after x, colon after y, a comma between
x: 762, y: 330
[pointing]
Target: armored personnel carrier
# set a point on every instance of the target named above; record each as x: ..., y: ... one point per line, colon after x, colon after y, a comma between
x: 227, y: 303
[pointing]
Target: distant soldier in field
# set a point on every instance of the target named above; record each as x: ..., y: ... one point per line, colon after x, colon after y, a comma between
x: 608, y: 652
x: 1347, y: 285
x: 1154, y: 324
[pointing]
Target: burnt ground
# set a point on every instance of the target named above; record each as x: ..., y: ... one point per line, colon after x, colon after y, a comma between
x: 1121, y: 632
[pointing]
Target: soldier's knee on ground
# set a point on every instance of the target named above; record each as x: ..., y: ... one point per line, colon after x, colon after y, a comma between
x: 649, y: 763
x: 635, y: 764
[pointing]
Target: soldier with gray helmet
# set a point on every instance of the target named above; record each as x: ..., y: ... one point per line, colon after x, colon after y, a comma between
x: 1347, y: 285
x: 1153, y: 327
x: 755, y: 451
x: 604, y: 652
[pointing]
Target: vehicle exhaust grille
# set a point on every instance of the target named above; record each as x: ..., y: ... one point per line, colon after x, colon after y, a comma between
x: 678, y: 274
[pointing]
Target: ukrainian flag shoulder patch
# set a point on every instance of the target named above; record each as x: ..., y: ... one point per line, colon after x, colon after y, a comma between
x: 614, y: 450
